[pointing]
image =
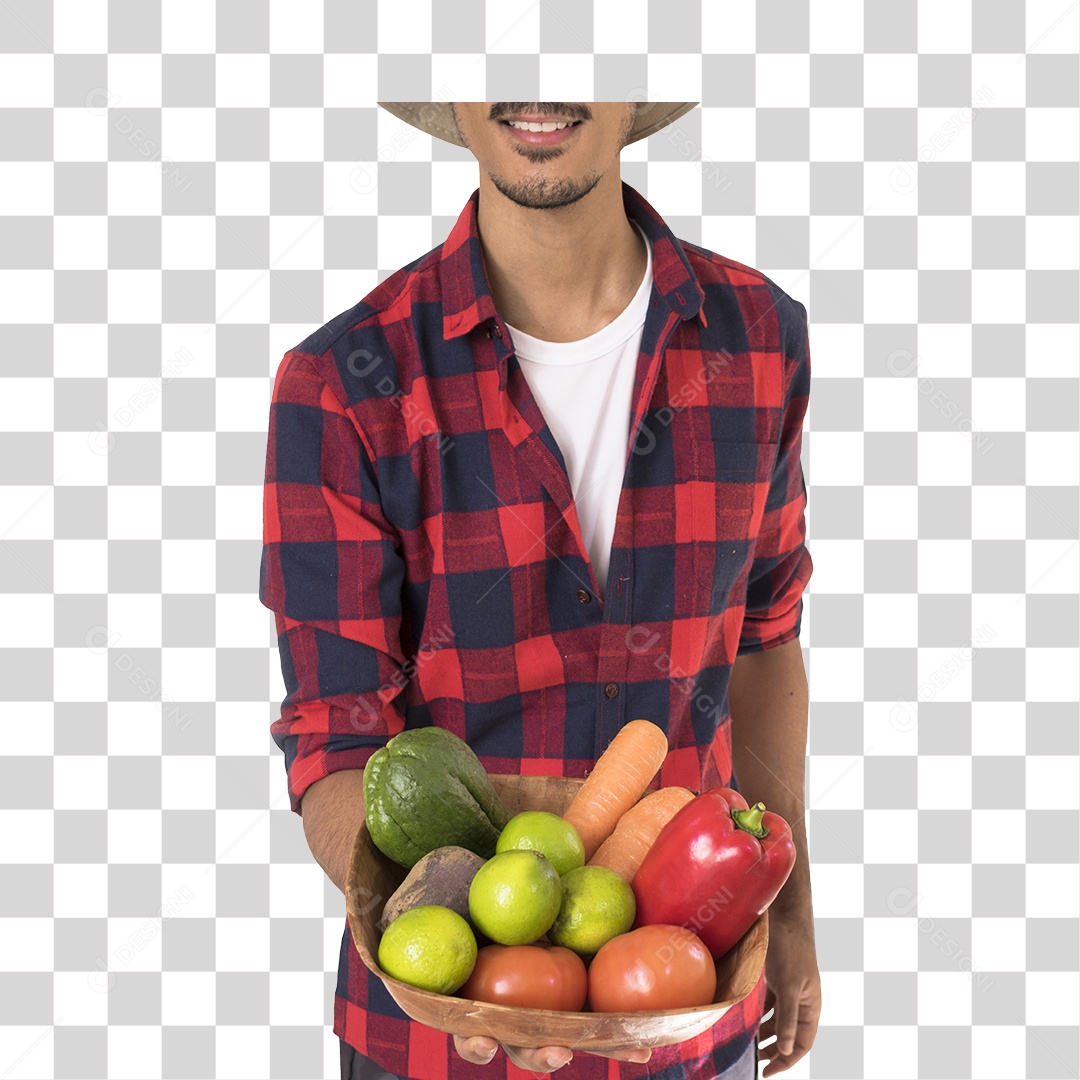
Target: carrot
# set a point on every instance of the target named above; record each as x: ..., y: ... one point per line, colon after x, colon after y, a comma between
x: 637, y: 830
x: 623, y: 771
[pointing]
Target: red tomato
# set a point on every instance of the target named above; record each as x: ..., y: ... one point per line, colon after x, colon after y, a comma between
x: 529, y: 976
x: 655, y: 967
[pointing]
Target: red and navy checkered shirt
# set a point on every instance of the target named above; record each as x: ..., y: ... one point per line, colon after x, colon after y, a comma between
x: 424, y: 561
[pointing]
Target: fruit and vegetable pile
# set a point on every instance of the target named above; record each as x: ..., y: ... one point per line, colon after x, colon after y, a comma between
x: 623, y: 903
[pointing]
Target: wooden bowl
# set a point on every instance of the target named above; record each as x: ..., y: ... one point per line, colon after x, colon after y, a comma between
x: 372, y: 879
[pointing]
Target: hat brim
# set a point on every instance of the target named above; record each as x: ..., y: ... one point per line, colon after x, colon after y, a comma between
x: 437, y: 119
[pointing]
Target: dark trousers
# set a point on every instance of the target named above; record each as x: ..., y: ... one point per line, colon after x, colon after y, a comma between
x: 356, y: 1066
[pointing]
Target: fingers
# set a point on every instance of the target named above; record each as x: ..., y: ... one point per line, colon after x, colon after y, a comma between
x: 546, y: 1059
x: 555, y: 1057
x: 477, y: 1049
x: 778, y: 1062
x: 480, y: 1050
x: 775, y: 1055
x: 773, y: 1062
x: 785, y: 1023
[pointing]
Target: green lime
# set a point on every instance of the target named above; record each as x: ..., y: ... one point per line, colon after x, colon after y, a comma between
x: 514, y: 897
x: 429, y: 946
x: 551, y: 835
x: 597, y: 905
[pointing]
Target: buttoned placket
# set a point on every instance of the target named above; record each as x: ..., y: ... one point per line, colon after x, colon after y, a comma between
x: 613, y: 610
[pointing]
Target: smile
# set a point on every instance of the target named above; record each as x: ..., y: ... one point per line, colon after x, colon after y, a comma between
x: 532, y: 133
x: 531, y: 125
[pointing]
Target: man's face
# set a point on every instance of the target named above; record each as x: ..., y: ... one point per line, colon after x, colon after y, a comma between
x: 543, y: 171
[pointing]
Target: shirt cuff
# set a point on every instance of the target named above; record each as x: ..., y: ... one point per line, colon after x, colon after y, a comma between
x: 322, y: 737
x: 782, y: 620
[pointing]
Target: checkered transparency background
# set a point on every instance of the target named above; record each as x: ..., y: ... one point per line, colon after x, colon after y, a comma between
x: 188, y: 190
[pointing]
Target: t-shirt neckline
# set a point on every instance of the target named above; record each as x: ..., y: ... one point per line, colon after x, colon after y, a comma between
x: 606, y: 339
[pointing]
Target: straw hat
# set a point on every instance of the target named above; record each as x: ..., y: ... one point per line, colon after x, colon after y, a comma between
x: 437, y: 119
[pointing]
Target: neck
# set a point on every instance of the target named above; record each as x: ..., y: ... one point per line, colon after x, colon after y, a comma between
x: 561, y: 274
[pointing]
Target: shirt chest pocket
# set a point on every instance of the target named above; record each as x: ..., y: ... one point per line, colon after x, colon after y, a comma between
x: 743, y: 471
x: 729, y: 508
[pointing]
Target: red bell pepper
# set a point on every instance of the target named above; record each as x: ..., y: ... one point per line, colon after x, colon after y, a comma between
x: 714, y: 868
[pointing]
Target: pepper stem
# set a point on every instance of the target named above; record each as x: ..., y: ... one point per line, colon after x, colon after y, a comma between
x: 750, y: 820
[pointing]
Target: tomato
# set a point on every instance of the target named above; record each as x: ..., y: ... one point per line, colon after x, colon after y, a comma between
x: 655, y: 967
x: 529, y: 976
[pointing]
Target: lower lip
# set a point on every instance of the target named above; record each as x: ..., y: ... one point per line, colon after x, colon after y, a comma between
x: 542, y: 138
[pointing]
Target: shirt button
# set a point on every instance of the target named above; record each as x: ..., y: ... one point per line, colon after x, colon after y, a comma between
x: 496, y: 329
x: 611, y: 690
x: 583, y: 596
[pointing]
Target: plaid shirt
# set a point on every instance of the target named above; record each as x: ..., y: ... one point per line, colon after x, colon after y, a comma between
x: 424, y: 561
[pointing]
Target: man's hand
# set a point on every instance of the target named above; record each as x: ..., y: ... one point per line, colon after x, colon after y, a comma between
x: 769, y: 714
x: 333, y: 811
x: 792, y: 989
x: 481, y: 1050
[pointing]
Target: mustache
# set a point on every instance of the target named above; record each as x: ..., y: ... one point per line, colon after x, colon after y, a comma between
x: 572, y: 111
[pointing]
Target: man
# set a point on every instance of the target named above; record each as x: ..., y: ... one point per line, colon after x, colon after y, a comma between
x: 540, y: 482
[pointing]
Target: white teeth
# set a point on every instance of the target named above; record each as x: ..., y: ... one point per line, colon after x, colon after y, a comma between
x: 536, y: 127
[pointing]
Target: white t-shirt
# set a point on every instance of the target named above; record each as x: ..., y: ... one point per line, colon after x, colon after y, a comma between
x: 584, y: 389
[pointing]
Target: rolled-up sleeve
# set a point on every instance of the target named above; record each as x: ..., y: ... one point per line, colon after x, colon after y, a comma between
x: 782, y: 565
x: 332, y: 573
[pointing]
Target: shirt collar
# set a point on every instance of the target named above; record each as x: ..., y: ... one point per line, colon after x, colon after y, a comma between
x: 467, y: 300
